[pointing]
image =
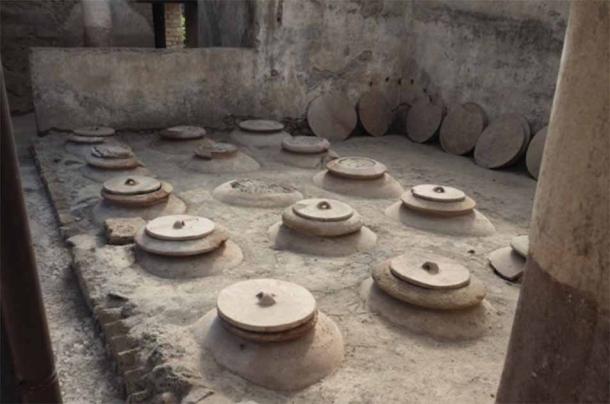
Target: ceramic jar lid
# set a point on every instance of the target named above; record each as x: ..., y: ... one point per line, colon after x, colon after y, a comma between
x: 502, y: 142
x: 85, y: 139
x: 323, y: 210
x: 438, y: 193
x: 139, y: 200
x: 438, y: 200
x: 305, y: 144
x: 261, y: 126
x: 423, y: 120
x: 183, y: 132
x: 533, y: 158
x: 462, y: 127
x: 213, y: 150
x: 179, y: 227
x: 375, y: 112
x: 131, y: 185
x: 332, y: 116
x: 266, y: 305
x: 106, y: 151
x: 94, y: 131
x: 356, y: 168
x: 520, y: 245
x: 429, y: 271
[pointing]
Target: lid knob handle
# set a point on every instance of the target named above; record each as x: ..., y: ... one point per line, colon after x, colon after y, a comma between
x: 323, y: 205
x: 439, y: 189
x: 431, y: 267
x: 130, y: 181
x: 178, y: 224
x: 265, y: 299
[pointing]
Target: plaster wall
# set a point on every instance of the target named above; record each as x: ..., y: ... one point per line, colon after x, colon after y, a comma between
x: 58, y: 23
x: 501, y: 54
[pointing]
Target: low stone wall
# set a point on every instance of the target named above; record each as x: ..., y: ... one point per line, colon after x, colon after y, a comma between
x: 140, y: 88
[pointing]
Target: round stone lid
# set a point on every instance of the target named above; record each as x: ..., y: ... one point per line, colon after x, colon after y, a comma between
x: 96, y: 131
x: 215, y: 150
x: 375, y: 112
x: 179, y: 227
x: 305, y: 144
x: 461, y: 128
x: 108, y: 151
x: 131, y: 185
x: 266, y: 305
x: 356, y: 167
x: 323, y: 210
x: 438, y: 193
x: 85, y: 139
x: 430, y: 271
x: 261, y: 125
x: 533, y: 158
x: 332, y: 116
x: 501, y: 143
x: 183, y: 132
x: 521, y: 245
x: 423, y: 120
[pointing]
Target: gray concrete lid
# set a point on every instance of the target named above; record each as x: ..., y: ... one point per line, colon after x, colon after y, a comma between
x: 305, y: 144
x: 216, y: 150
x: 507, y: 263
x: 183, y: 132
x: 533, y: 158
x: 521, y: 245
x: 266, y: 305
x: 323, y: 210
x: 140, y: 200
x: 111, y: 151
x: 179, y: 227
x: 94, y: 131
x: 438, y: 193
x: 430, y: 271
x: 375, y: 112
x: 332, y: 116
x: 461, y: 128
x: 356, y: 167
x: 502, y: 142
x: 85, y: 139
x: 423, y: 120
x: 437, y: 208
x: 181, y: 248
x: 131, y: 185
x: 261, y: 126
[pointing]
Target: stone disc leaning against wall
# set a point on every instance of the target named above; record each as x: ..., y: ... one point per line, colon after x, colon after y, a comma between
x: 462, y: 127
x: 423, y: 120
x: 375, y: 112
x: 332, y: 116
x: 501, y: 143
x: 535, y: 149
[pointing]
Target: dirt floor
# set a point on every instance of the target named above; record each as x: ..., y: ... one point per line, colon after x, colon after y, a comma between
x: 85, y: 374
x: 383, y: 363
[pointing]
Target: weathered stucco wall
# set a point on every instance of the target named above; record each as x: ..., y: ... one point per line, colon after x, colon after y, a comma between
x: 501, y: 54
x: 29, y: 23
x: 140, y: 88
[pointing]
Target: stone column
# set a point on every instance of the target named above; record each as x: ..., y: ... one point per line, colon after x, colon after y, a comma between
x: 559, y: 347
x: 97, y: 19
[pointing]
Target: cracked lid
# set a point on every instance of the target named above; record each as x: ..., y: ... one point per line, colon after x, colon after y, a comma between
x: 356, y: 167
x: 266, y: 305
x: 430, y: 271
x: 111, y: 151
